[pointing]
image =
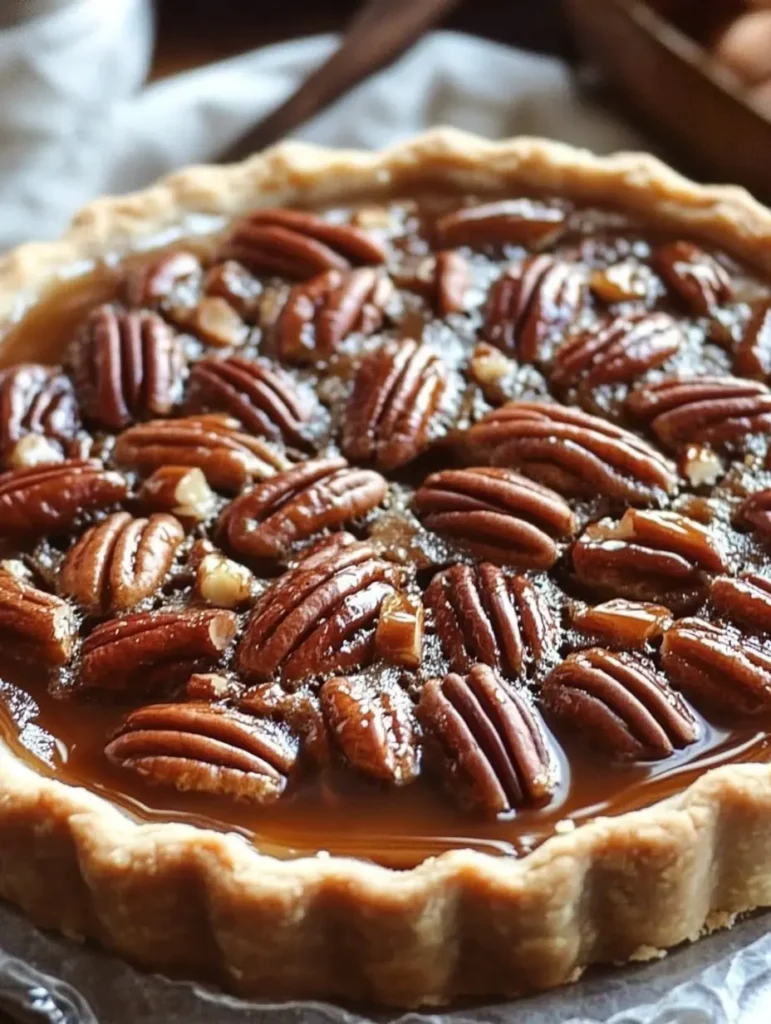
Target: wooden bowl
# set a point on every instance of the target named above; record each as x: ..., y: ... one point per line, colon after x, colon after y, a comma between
x: 678, y: 90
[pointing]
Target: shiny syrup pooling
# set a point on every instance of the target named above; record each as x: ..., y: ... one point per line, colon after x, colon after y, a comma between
x: 333, y: 810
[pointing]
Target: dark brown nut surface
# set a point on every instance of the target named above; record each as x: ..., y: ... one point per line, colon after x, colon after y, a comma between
x: 203, y: 749
x: 149, y: 650
x: 745, y: 600
x: 720, y: 411
x: 181, y: 490
x: 718, y: 669
x: 496, y: 514
x: 320, y: 494
x: 37, y: 405
x: 570, y: 451
x: 399, y: 634
x: 528, y: 303
x: 508, y: 222
x: 374, y: 728
x: 694, y: 275
x: 481, y: 614
x: 451, y: 280
x: 34, y: 625
x: 398, y: 392
x: 629, y: 625
x: 618, y: 703
x: 213, y: 443
x: 299, y: 245
x: 755, y: 512
x: 495, y: 756
x: 127, y: 366
x: 50, y: 499
x: 300, y: 712
x: 319, y: 314
x: 121, y: 562
x: 752, y: 357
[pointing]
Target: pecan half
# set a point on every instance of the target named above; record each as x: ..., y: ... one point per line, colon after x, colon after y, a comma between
x: 320, y: 494
x: 320, y: 617
x: 754, y: 512
x: 508, y: 222
x: 530, y: 302
x: 49, y: 499
x: 121, y: 562
x: 297, y: 244
x: 451, y: 281
x: 181, y: 490
x: 37, y: 401
x: 374, y: 728
x: 321, y: 313
x: 203, y: 749
x: 127, y: 366
x: 35, y: 626
x: 397, y: 396
x: 630, y: 625
x: 496, y: 514
x: 150, y: 650
x: 618, y: 703
x: 752, y: 357
x: 712, y: 410
x: 399, y: 635
x: 745, y: 601
x: 617, y: 351
x: 481, y: 614
x: 718, y: 667
x: 226, y: 455
x: 694, y: 275
x: 648, y: 556
x: 571, y: 451
x: 494, y: 753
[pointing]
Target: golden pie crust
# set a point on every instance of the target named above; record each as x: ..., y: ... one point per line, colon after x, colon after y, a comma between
x: 182, y: 899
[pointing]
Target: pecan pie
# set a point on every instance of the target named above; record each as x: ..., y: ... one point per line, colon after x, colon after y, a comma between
x: 385, y: 569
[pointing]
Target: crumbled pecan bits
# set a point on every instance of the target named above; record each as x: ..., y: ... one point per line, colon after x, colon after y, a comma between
x: 627, y: 281
x: 127, y: 366
x: 320, y: 617
x: 630, y: 625
x: 745, y: 600
x: 35, y: 625
x: 481, y: 614
x: 121, y: 562
x: 495, y: 755
x: 754, y: 512
x: 49, y: 499
x: 152, y: 283
x: 509, y: 222
x: 399, y: 634
x: 396, y: 401
x: 710, y: 410
x: 181, y: 490
x: 232, y: 282
x: 617, y: 351
x: 618, y: 703
x: 199, y: 748
x: 296, y: 244
x: 717, y: 667
x: 373, y: 727
x: 215, y: 444
x: 263, y: 398
x: 37, y: 401
x: 223, y: 583
x: 752, y: 357
x: 150, y: 650
x: 694, y: 275
x: 496, y: 514
x: 529, y: 302
x: 320, y: 494
x: 571, y: 451
x: 321, y: 313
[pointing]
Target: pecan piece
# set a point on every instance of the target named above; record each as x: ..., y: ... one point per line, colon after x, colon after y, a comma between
x: 181, y: 490
x: 320, y: 617
x: 120, y: 563
x: 396, y: 400
x: 297, y: 244
x: 154, y: 649
x: 648, y: 556
x: 399, y: 635
x: 127, y: 366
x: 49, y: 499
x: 226, y: 455
x: 754, y: 512
x: 321, y: 313
x: 694, y: 275
x: 508, y: 222
x: 718, y: 667
x: 710, y: 410
x: 617, y: 351
x: 745, y: 601
x: 320, y: 494
x: 570, y: 451
x: 35, y: 626
x: 481, y: 614
x: 374, y: 728
x: 627, y: 281
x: 155, y: 282
x: 221, y: 582
x: 203, y: 749
x: 618, y: 703
x: 496, y: 514
x: 530, y: 302
x: 752, y: 357
x: 630, y: 625
x: 494, y: 752
x: 37, y: 402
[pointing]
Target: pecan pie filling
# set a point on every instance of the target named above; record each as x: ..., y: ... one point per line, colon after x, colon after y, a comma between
x: 389, y: 530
